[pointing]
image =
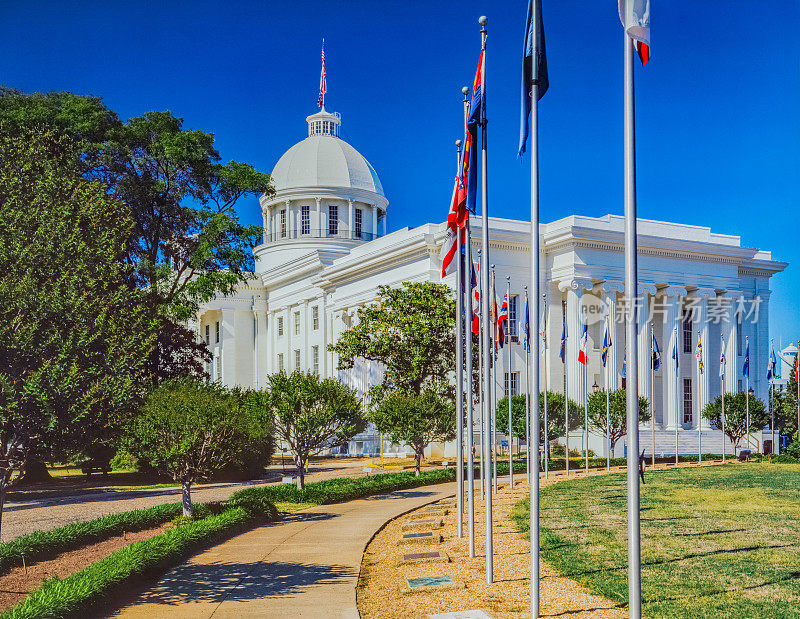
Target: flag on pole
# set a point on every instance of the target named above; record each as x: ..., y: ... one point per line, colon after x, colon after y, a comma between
x: 624, y: 362
x: 746, y: 366
x: 533, y: 48
x: 722, y: 357
x: 526, y: 330
x: 476, y: 301
x: 656, y: 360
x: 606, y: 346
x: 323, y: 86
x: 698, y: 354
x: 502, y: 317
x: 635, y: 18
x: 563, y: 352
x: 450, y: 245
x: 771, y: 366
x: 582, y: 351
x: 675, y: 355
x: 797, y: 367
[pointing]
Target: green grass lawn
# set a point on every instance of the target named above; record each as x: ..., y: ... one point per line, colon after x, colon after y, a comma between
x: 716, y: 541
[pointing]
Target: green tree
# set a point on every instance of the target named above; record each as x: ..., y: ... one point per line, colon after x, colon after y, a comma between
x: 191, y: 429
x: 312, y: 414
x: 555, y: 415
x: 187, y: 244
x: 618, y: 413
x: 785, y: 404
x: 415, y: 419
x: 410, y: 331
x: 736, y: 415
x: 74, y: 335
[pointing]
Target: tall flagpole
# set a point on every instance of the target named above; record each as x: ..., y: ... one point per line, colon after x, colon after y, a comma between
x: 566, y: 398
x: 632, y: 392
x: 608, y: 413
x: 526, y: 351
x: 470, y: 403
x: 508, y: 371
x: 485, y: 304
x: 747, y: 396
x: 459, y: 371
x: 722, y: 384
x: 677, y: 394
x: 481, y: 382
x: 699, y: 420
x: 495, y: 358
x: 547, y: 376
x: 653, y: 393
x: 586, y: 403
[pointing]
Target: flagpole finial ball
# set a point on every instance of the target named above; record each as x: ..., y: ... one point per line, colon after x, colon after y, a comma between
x: 482, y: 20
x: 508, y: 278
x: 458, y: 143
x: 464, y: 91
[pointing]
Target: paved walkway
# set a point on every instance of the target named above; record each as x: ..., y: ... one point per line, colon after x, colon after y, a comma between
x: 305, y: 565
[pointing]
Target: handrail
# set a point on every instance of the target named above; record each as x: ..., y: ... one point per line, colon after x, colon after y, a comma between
x: 323, y: 233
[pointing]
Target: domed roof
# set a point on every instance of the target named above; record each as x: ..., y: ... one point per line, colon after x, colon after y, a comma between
x: 325, y: 161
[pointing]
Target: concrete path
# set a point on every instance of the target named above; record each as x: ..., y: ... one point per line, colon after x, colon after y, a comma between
x: 305, y: 565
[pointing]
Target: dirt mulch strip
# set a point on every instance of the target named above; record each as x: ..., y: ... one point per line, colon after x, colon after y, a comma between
x: 19, y: 581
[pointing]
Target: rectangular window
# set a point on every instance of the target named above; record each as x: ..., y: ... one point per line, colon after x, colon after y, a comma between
x: 512, y: 318
x: 305, y: 220
x: 315, y: 358
x: 738, y: 318
x: 687, y: 400
x: 280, y: 325
x: 333, y: 220
x: 740, y: 385
x: 208, y: 334
x: 514, y: 383
x: 297, y: 359
x: 283, y: 223
x: 297, y: 323
x: 358, y: 223
x: 687, y: 330
x: 315, y: 317
x: 217, y: 332
x: 219, y: 367
x: 280, y: 362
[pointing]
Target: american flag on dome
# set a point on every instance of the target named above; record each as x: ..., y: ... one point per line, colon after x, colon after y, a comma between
x: 635, y: 18
x: 323, y: 86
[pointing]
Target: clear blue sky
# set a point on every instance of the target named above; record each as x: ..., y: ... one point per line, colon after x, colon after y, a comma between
x: 718, y: 120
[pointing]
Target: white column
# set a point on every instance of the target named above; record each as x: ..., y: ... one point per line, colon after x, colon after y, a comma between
x: 729, y: 337
x: 265, y: 218
x: 318, y: 218
x: 575, y: 289
x: 323, y: 347
x: 758, y: 359
x: 383, y: 223
x: 351, y: 218
x: 610, y: 290
x: 643, y: 341
x: 289, y: 220
x: 305, y: 328
x: 672, y: 334
x: 374, y: 221
x: 227, y: 346
x: 703, y: 380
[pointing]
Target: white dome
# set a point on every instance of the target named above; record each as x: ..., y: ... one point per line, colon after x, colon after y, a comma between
x: 325, y: 161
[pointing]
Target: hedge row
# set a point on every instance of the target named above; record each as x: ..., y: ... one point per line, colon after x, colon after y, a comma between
x: 43, y: 545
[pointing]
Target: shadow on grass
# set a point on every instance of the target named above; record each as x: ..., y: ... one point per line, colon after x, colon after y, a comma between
x: 240, y: 581
x: 712, y: 532
x: 775, y: 581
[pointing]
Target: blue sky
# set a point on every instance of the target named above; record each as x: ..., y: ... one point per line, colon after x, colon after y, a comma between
x: 718, y: 126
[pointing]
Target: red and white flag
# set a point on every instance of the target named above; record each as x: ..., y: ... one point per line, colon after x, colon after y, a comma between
x: 323, y: 86
x: 450, y: 246
x: 584, y: 340
x: 476, y: 302
x: 635, y: 18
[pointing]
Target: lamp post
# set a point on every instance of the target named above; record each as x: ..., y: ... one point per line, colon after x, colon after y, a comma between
x: 595, y: 387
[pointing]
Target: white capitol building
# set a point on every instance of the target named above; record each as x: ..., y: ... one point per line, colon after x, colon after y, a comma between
x: 326, y: 249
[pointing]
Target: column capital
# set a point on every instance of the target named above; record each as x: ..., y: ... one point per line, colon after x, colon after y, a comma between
x: 612, y: 286
x: 286, y: 202
x: 674, y: 291
x: 577, y: 284
x: 704, y: 293
x: 647, y: 288
x: 318, y: 200
x: 730, y: 294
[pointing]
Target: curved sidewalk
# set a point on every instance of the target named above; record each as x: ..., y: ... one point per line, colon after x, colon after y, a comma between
x: 305, y: 565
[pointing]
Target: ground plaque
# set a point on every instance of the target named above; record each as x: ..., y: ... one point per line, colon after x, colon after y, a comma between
x: 424, y: 523
x: 425, y: 557
x: 423, y: 537
x: 429, y: 583
x: 475, y: 613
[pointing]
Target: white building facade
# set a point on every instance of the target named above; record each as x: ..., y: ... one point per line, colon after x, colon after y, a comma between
x: 326, y: 250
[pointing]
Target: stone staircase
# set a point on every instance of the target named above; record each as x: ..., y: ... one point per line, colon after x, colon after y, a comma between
x: 711, y: 442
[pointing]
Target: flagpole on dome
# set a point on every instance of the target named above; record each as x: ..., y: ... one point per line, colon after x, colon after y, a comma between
x: 323, y: 86
x: 459, y: 370
x: 635, y: 18
x: 468, y: 338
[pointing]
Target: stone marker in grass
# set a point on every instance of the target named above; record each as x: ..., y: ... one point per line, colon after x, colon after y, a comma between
x: 424, y: 523
x: 431, y: 583
x: 430, y: 512
x: 426, y: 557
x: 423, y: 537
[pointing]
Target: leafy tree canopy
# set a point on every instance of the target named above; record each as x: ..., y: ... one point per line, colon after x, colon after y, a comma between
x: 555, y: 415
x: 736, y: 414
x: 618, y: 413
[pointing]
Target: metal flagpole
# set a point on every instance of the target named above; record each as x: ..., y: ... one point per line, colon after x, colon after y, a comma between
x: 608, y: 413
x: 460, y: 268
x: 508, y: 371
x: 771, y: 420
x: 566, y: 398
x: 586, y: 406
x: 747, y: 397
x: 485, y: 303
x: 677, y: 393
x: 470, y: 402
x: 527, y: 395
x: 495, y: 356
x: 547, y: 376
x: 481, y: 385
x: 632, y: 391
x: 699, y: 420
x: 722, y: 386
x: 653, y: 395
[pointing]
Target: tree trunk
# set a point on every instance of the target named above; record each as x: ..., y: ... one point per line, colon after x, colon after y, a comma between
x: 2, y: 503
x: 186, y: 498
x: 35, y: 470
x: 417, y: 462
x: 301, y: 473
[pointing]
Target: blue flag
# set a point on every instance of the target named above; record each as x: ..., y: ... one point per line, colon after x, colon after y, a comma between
x: 527, y: 333
x: 771, y: 366
x: 675, y: 355
x: 533, y: 47
x: 563, y: 352
x: 606, y: 346
x: 624, y: 362
x: 656, y: 354
x: 746, y: 366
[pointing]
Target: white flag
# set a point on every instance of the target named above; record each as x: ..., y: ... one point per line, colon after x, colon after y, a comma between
x: 635, y: 18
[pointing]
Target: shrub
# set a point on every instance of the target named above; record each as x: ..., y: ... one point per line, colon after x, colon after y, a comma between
x: 793, y: 450
x: 123, y: 460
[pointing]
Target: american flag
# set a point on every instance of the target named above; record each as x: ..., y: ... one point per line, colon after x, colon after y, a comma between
x: 323, y: 87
